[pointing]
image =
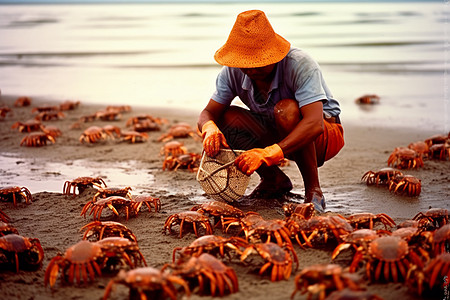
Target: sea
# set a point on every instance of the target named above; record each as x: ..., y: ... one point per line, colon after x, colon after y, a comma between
x: 161, y: 54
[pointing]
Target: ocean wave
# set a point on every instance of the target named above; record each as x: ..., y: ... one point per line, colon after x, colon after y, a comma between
x: 31, y: 22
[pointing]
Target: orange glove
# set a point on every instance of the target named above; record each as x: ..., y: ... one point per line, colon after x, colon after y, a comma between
x: 213, y: 139
x: 252, y: 159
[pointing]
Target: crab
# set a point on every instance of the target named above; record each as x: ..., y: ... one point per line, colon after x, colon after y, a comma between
x: 441, y: 239
x: 420, y: 147
x: 277, y: 259
x: 181, y: 130
x: 388, y: 259
x: 112, y: 191
x: 323, y: 279
x: 208, y: 273
x: 15, y: 248
x: 173, y: 148
x: 15, y: 193
x: 212, y: 244
x: 382, y: 177
x: 367, y: 220
x: 69, y: 105
x: 88, y: 118
x: 305, y: 209
x: 440, y: 151
x: 93, y: 134
x: 148, y: 200
x: 22, y: 101
x: 142, y: 118
x: 119, y: 108
x: 121, y: 252
x: 109, y: 115
x: 27, y: 126
x: 347, y: 293
x: 4, y: 111
x: 146, y: 125
x: 6, y: 229
x: 50, y: 115
x: 434, y: 217
x: 81, y: 183
x: 82, y: 261
x: 112, y: 131
x: 319, y: 229
x: 37, y: 139
x: 51, y: 130
x: 221, y: 212
x: 45, y: 107
x: 405, y: 158
x: 268, y: 230
x: 359, y: 240
x: 134, y: 136
x: 99, y: 230
x: 436, y: 139
x: 433, y: 274
x: 147, y: 283
x: 405, y: 184
x: 368, y: 99
x: 190, y: 161
x: 193, y: 217
x: 112, y: 202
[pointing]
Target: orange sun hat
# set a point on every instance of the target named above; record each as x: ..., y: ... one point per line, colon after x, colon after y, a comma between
x: 252, y: 43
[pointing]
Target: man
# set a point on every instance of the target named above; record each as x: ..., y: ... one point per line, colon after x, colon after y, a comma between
x: 291, y: 113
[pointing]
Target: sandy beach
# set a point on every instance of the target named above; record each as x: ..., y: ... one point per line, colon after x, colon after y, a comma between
x: 55, y: 219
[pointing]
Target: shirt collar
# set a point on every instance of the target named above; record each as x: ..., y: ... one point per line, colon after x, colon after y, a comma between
x: 247, y: 83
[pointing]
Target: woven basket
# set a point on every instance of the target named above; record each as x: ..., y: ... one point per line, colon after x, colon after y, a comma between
x: 220, y: 178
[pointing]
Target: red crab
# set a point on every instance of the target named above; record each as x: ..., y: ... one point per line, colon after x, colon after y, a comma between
x: 15, y: 248
x: 405, y: 158
x: 212, y: 244
x: 190, y: 161
x: 405, y: 184
x: 367, y: 220
x: 277, y: 259
x: 4, y: 111
x: 420, y: 147
x: 111, y: 202
x: 50, y: 115
x: 22, y: 101
x: 52, y: 130
x: 147, y: 283
x: 181, y: 130
x: 81, y: 183
x: 148, y: 201
x: 69, y: 105
x: 121, y: 252
x: 81, y: 261
x: 134, y: 136
x: 382, y: 177
x: 323, y: 279
x: 440, y: 151
x: 27, y: 126
x: 221, y: 211
x: 100, y: 230
x: 146, y: 125
x: 37, y: 139
x: 305, y: 209
x: 92, y: 135
x: 4, y: 217
x: 112, y: 131
x: 112, y: 191
x: 434, y: 217
x: 368, y: 99
x: 192, y: 217
x: 173, y: 148
x: 15, y: 193
x: 208, y: 273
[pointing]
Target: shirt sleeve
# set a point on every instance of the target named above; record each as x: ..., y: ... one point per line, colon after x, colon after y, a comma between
x: 309, y: 88
x: 224, y: 93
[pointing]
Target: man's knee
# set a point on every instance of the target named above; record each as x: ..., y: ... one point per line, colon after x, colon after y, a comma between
x: 287, y: 115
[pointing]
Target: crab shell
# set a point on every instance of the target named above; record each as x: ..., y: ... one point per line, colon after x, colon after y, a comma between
x: 79, y: 261
x: 82, y: 183
x: 382, y: 177
x: 110, y: 202
x: 276, y: 257
x: 406, y: 184
x: 112, y: 191
x: 220, y: 210
x: 148, y: 201
x: 209, y: 272
x: 26, y: 250
x: 368, y: 219
x: 92, y: 135
x: 6, y: 229
x: 107, y: 229
x: 305, y: 209
x: 405, y: 158
x: 37, y: 139
x: 16, y: 192
x: 193, y: 217
x: 121, y: 250
x: 147, y: 280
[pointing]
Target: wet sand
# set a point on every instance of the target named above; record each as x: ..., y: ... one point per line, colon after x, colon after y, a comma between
x: 55, y: 219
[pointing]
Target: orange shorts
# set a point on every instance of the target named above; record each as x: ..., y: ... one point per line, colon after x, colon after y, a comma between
x: 330, y: 142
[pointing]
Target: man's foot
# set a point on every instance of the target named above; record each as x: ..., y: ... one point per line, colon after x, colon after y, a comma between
x: 317, y: 199
x: 272, y: 188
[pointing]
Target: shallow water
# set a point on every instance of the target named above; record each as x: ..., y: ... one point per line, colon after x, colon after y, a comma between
x: 162, y: 54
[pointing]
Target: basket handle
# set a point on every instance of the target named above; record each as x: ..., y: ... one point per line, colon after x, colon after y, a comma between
x: 220, y: 168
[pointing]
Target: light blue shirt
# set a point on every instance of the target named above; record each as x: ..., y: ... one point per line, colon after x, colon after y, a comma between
x: 297, y: 76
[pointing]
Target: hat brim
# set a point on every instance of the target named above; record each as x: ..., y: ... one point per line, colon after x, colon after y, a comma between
x: 231, y: 55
